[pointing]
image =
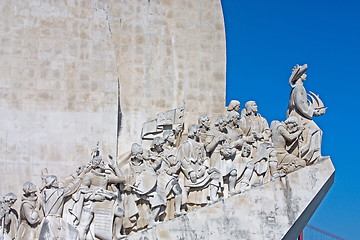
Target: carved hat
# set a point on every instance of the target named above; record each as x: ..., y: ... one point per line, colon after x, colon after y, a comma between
x: 136, y: 149
x: 49, y: 180
x: 29, y: 187
x: 297, y: 72
x: 10, y: 197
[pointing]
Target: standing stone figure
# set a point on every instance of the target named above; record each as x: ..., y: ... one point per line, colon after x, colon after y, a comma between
x: 29, y: 213
x: 204, y: 127
x: 103, y: 199
x: 215, y: 139
x: 53, y: 199
x: 141, y: 181
x: 167, y: 179
x: 300, y: 107
x: 228, y: 169
x: 9, y: 217
x: 198, y: 174
x: 285, y: 135
x: 252, y: 123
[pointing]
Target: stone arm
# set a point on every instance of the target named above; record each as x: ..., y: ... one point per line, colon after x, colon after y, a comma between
x: 183, y: 157
x: 75, y: 184
x: 266, y: 132
x: 300, y: 102
x: 212, y: 141
x: 289, y: 137
x: 119, y: 178
x: 31, y: 215
x: 174, y: 168
x: 116, y: 179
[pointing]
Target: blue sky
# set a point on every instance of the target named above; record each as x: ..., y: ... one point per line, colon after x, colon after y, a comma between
x: 265, y: 39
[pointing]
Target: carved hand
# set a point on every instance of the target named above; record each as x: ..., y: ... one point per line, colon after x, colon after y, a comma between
x: 193, y: 177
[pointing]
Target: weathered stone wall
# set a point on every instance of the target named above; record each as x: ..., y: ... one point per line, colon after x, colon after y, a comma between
x: 67, y: 67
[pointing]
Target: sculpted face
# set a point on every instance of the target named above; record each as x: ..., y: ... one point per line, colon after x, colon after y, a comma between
x: 96, y: 161
x: 303, y: 77
x: 206, y: 122
x: 55, y: 183
x: 292, y: 127
x: 246, y: 151
x: 254, y: 107
x: 171, y: 137
x: 235, y: 119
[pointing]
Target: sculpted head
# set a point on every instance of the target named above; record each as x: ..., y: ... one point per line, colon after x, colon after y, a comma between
x: 204, y: 121
x: 157, y: 144
x: 10, y: 198
x: 221, y: 122
x: 29, y: 188
x: 136, y: 154
x: 225, y: 150
x: 292, y: 124
x: 97, y: 163
x: 51, y: 181
x: 234, y: 105
x: 245, y: 150
x: 251, y: 107
x: 298, y: 74
x: 233, y: 118
x: 169, y: 136
x: 193, y: 131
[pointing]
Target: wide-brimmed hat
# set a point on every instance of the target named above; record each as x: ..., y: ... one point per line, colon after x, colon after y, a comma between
x: 297, y: 72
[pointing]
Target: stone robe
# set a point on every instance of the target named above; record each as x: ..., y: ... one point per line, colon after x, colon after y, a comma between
x: 29, y: 219
x: 311, y: 136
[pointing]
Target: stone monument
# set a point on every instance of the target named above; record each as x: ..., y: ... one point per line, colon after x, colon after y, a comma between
x: 170, y: 162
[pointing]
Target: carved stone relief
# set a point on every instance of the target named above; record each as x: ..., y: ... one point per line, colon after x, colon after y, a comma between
x: 112, y: 198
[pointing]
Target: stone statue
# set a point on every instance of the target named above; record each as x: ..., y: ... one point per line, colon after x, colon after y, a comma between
x: 29, y: 213
x: 228, y: 169
x: 204, y: 127
x: 234, y: 132
x: 252, y: 123
x: 285, y: 135
x: 265, y: 157
x: 107, y: 214
x: 196, y: 168
x: 215, y: 139
x: 53, y: 198
x: 100, y: 201
x: 167, y: 170
x: 9, y: 217
x: 141, y: 182
x: 300, y: 107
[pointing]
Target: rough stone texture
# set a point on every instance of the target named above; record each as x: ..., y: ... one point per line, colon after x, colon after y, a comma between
x: 63, y: 65
x: 277, y: 210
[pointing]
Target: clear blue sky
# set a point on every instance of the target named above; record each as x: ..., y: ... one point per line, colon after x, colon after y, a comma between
x: 265, y: 39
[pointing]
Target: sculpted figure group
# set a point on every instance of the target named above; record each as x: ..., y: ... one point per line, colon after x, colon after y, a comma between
x: 109, y: 199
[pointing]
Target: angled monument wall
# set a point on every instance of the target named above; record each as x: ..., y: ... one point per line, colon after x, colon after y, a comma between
x: 278, y: 209
x: 68, y: 68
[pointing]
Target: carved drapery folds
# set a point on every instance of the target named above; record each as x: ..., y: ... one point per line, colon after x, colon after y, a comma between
x: 170, y: 174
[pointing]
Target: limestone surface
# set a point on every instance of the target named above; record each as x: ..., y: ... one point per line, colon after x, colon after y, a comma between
x: 73, y: 73
x: 279, y: 209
